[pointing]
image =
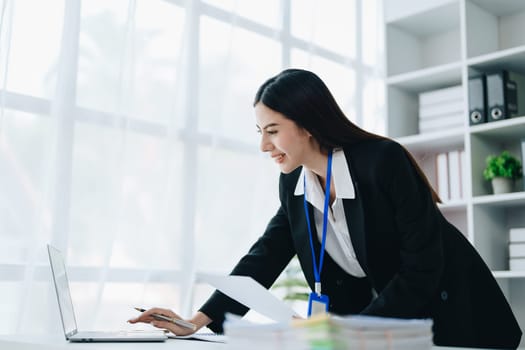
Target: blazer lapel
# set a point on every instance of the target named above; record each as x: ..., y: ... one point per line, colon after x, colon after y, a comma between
x: 356, y: 221
x: 356, y: 227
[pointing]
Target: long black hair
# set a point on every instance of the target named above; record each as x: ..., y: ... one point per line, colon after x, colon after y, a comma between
x: 303, y: 97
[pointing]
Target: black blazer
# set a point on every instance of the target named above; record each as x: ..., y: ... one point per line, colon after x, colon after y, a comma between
x: 419, y: 264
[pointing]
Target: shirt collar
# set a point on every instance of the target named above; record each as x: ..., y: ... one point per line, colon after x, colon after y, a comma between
x: 344, y: 187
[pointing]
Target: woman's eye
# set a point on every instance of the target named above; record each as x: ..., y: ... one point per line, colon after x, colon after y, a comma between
x: 271, y: 132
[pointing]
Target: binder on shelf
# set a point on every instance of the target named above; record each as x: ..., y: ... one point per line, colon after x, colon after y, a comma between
x: 477, y: 99
x: 503, y: 89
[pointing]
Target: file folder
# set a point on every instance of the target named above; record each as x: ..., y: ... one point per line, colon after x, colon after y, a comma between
x: 502, y: 96
x: 477, y: 99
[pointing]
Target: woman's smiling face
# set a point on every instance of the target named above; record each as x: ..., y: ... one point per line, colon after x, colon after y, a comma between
x: 287, y: 143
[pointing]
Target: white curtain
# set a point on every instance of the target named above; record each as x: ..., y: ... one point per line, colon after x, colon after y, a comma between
x: 127, y: 140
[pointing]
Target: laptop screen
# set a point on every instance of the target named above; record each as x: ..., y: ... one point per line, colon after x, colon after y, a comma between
x: 65, y: 304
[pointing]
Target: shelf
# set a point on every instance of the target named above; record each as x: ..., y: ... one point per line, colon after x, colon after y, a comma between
x: 430, y: 21
x: 424, y: 35
x: 501, y: 8
x: 512, y: 59
x: 494, y: 26
x: 437, y: 44
x: 428, y: 79
x: 509, y: 274
x: 434, y: 142
x: 509, y: 129
x: 500, y: 200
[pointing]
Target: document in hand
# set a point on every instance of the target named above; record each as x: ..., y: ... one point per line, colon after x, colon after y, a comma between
x: 250, y: 293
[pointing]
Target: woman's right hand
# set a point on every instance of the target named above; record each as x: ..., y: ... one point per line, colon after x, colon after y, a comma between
x: 199, y: 320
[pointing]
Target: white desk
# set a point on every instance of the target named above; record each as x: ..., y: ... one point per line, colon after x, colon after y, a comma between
x: 8, y: 342
x: 49, y: 343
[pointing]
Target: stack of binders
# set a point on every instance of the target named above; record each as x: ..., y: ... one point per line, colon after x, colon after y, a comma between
x: 517, y: 249
x: 496, y: 96
x: 441, y: 109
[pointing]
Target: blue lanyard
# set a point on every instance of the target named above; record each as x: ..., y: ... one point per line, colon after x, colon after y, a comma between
x: 317, y: 272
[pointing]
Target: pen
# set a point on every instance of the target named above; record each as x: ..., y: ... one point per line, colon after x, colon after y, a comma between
x: 170, y: 319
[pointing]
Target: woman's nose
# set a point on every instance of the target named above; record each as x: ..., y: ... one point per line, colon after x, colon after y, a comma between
x: 265, y: 145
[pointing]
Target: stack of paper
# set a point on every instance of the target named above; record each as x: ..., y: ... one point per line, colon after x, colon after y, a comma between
x: 441, y: 109
x: 366, y: 332
x: 244, y: 335
x: 322, y: 332
x: 332, y: 333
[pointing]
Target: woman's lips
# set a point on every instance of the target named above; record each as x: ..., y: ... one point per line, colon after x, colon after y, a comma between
x: 279, y: 158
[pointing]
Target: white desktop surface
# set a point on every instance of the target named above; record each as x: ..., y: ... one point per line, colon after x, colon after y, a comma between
x: 42, y: 342
x: 10, y: 342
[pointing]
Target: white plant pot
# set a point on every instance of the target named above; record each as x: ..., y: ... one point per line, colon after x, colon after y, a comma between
x: 502, y: 185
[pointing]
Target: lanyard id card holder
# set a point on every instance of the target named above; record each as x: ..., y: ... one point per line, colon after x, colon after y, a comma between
x: 317, y: 302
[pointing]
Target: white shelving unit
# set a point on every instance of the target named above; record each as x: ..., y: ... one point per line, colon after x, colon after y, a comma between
x: 436, y: 44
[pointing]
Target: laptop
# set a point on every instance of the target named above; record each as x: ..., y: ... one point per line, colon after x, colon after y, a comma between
x: 67, y: 314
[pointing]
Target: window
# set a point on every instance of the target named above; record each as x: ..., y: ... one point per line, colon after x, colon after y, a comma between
x: 128, y: 140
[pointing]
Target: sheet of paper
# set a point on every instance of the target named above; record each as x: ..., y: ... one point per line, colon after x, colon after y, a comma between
x: 252, y: 294
x: 210, y: 337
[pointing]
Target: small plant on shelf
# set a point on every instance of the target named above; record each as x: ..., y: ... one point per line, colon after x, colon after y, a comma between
x: 502, y: 170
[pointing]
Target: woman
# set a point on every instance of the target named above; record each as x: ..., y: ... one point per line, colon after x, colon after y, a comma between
x: 389, y: 251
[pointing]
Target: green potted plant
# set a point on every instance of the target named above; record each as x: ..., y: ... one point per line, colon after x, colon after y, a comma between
x: 293, y: 283
x: 502, y: 171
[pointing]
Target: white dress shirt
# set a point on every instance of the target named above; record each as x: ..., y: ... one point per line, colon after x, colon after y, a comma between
x: 338, y: 243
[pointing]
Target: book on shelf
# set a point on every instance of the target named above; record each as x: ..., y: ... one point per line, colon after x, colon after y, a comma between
x: 517, y: 234
x: 451, y: 107
x: 523, y: 160
x: 454, y: 175
x: 463, y: 171
x: 443, y: 122
x: 450, y: 174
x: 517, y: 250
x: 517, y: 264
x: 442, y: 176
x: 437, y: 96
x: 441, y: 109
